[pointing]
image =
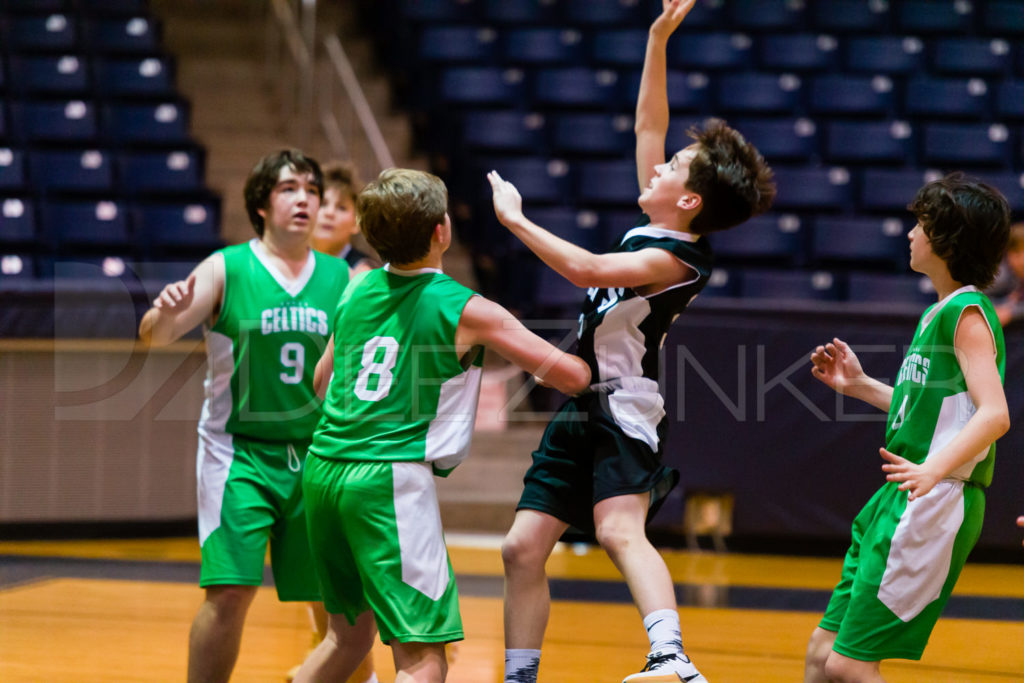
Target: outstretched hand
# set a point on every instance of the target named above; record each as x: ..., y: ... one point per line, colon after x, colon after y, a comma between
x: 672, y: 14
x: 508, y: 204
x: 837, y: 365
x: 917, y: 479
x: 176, y: 296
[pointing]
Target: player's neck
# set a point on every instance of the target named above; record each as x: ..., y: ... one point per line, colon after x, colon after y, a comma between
x: 430, y: 261
x: 944, y: 283
x: 290, y: 251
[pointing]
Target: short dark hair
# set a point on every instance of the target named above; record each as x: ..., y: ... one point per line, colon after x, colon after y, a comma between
x: 263, y: 178
x: 732, y: 178
x: 968, y: 224
x: 344, y: 176
x: 398, y: 212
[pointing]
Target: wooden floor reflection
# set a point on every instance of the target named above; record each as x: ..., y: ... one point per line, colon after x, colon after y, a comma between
x: 121, y: 610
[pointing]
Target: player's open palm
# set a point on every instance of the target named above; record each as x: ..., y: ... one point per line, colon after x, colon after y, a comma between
x: 176, y: 296
x: 508, y: 204
x: 672, y: 14
x: 837, y: 365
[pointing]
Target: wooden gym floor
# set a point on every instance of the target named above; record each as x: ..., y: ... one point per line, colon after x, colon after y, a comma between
x: 120, y: 611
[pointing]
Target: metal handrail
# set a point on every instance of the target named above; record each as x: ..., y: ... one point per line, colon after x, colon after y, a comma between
x: 300, y: 43
x: 341, y: 68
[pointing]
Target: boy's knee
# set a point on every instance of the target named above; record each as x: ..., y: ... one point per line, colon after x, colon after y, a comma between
x: 519, y: 552
x: 231, y: 598
x: 616, y: 537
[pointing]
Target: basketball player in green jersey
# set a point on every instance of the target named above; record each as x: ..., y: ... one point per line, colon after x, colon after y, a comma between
x: 266, y: 308
x: 946, y: 410
x: 604, y: 474
x: 406, y: 362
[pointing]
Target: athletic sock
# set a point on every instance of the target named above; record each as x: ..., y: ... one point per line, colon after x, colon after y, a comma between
x: 521, y: 666
x: 663, y: 631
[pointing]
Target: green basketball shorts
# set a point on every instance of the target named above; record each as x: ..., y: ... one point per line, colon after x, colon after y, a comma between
x: 900, y: 569
x: 250, y: 494
x: 377, y: 543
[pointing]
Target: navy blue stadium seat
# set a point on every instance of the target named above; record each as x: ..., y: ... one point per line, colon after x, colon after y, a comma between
x: 159, y: 273
x: 885, y: 54
x: 972, y: 56
x: 482, y: 86
x: 86, y: 224
x: 576, y: 87
x: 58, y: 121
x: 74, y: 170
x: 616, y: 222
x: 37, y: 5
x: 56, y: 31
x: 16, y: 266
x: 806, y: 188
x: 620, y: 47
x: 791, y: 285
x: 108, y: 271
x: 50, y: 74
x: 778, y: 239
x: 798, y: 52
x: 607, y: 182
x: 17, y: 221
x: 453, y: 44
x: 887, y: 288
x: 12, y: 169
x: 604, y: 12
x: 582, y: 228
x: 123, y: 34
x: 115, y: 6
x: 610, y: 134
x: 439, y: 11
x: 686, y: 91
x: 870, y: 141
x: 934, y: 16
x: 891, y: 190
x: 986, y: 144
x: 758, y: 93
x: 543, y: 181
x: 1009, y: 100
x: 1003, y: 17
x: 3, y: 121
x: 947, y: 97
x: 849, y: 16
x: 852, y: 95
x: 542, y: 46
x: 161, y: 123
x: 190, y: 226
x: 554, y: 291
x: 724, y: 281
x: 151, y: 76
x: 506, y: 131
x: 781, y: 139
x: 142, y: 172
x: 535, y: 12
x: 711, y: 51
x: 766, y: 15
x: 858, y: 241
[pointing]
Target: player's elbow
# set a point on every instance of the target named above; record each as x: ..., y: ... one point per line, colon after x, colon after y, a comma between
x: 1001, y: 422
x: 575, y: 377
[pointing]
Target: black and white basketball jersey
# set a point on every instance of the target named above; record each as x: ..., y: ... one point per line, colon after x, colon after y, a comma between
x: 620, y: 330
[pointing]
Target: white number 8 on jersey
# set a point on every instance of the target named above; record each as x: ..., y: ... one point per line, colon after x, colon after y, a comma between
x: 380, y: 369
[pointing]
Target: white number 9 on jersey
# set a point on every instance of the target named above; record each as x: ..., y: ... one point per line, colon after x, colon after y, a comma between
x: 380, y: 369
x: 293, y: 357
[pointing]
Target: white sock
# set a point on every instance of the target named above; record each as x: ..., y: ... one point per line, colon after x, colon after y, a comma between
x: 521, y: 666
x: 663, y: 631
x: 372, y: 679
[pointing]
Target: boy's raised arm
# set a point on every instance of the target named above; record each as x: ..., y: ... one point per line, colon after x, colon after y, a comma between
x: 652, y: 113
x: 486, y: 323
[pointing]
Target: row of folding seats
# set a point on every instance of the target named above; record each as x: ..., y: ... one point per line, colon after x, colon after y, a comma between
x: 91, y: 272
x: 103, y: 171
x: 754, y: 93
x: 574, y: 134
x: 70, y: 32
x: 863, y: 16
x: 604, y: 183
x: 113, y: 7
x: 720, y: 50
x: 75, y: 227
x: 114, y: 123
x: 150, y: 75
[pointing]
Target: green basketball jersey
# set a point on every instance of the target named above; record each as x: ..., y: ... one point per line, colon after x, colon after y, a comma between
x: 400, y: 392
x: 265, y: 344
x: 930, y: 403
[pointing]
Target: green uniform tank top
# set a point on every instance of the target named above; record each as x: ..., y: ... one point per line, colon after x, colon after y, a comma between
x: 262, y: 350
x: 400, y: 392
x: 930, y: 403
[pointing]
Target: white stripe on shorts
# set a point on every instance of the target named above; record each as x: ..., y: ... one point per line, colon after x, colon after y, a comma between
x: 420, y: 540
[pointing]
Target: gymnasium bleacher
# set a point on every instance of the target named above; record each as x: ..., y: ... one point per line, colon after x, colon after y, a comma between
x: 856, y: 103
x: 100, y: 179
